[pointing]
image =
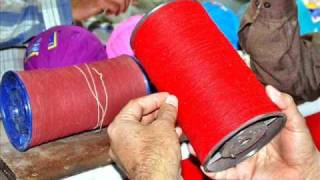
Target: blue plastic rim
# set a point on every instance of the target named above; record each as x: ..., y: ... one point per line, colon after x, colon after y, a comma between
x: 16, y: 110
x: 149, y: 87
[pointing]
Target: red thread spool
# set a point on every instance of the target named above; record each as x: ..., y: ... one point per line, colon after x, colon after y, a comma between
x: 223, y: 109
x: 313, y: 123
x: 43, y: 105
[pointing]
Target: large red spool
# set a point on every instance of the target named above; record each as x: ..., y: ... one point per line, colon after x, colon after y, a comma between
x: 223, y: 109
x: 43, y: 105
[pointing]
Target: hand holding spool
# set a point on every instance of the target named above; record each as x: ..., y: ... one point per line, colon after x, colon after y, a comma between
x: 290, y: 155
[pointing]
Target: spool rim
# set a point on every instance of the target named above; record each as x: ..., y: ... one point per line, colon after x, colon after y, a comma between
x: 145, y: 76
x: 211, y: 163
x: 20, y: 111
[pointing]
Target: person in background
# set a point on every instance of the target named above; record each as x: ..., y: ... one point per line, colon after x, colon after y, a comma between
x: 20, y: 20
x: 144, y: 143
x: 270, y: 34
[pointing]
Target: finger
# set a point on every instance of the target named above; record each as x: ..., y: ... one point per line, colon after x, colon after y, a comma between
x: 230, y: 174
x: 168, y: 111
x: 147, y: 119
x: 111, y: 155
x: 210, y: 175
x: 127, y: 4
x: 134, y: 2
x: 180, y: 177
x: 110, y: 7
x: 122, y: 4
x: 139, y: 107
x: 179, y: 131
x: 295, y: 121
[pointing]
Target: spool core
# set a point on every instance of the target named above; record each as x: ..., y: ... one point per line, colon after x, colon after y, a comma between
x: 244, y: 142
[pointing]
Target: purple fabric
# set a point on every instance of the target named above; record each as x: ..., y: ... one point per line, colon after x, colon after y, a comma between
x: 119, y: 40
x: 63, y: 46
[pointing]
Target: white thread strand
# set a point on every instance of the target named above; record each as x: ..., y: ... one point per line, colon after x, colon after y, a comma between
x: 96, y: 95
x: 93, y: 89
x: 106, y: 96
x: 90, y: 88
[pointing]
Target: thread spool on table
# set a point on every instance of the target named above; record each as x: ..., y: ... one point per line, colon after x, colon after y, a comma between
x: 43, y: 105
x: 223, y: 109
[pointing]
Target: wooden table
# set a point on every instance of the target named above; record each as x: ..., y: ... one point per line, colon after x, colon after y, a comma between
x: 56, y: 159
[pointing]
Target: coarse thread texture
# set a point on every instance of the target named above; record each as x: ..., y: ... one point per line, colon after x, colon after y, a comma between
x: 63, y: 104
x: 184, y: 53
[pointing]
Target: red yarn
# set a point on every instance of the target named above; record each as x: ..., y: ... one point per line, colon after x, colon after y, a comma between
x: 313, y: 123
x: 184, y: 53
x: 62, y: 104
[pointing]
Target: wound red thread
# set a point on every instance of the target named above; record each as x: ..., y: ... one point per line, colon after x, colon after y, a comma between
x: 61, y: 101
x: 101, y: 109
x: 184, y: 53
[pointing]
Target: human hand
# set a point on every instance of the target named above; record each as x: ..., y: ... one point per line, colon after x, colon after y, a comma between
x: 83, y: 9
x: 290, y: 155
x: 143, y: 138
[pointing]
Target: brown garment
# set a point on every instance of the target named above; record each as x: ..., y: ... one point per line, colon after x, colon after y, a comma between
x: 269, y: 32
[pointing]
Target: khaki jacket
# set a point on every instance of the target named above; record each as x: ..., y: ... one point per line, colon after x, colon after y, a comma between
x: 269, y: 32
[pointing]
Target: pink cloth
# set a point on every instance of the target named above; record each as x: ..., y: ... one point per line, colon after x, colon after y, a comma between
x: 119, y: 40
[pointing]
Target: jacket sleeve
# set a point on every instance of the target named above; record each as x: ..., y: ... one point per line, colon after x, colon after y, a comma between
x: 269, y: 32
x: 20, y: 20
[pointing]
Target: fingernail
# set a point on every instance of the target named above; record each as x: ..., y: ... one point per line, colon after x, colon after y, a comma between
x: 273, y: 93
x: 172, y: 100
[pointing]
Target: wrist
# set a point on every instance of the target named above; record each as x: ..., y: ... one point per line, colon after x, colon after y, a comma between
x: 156, y: 169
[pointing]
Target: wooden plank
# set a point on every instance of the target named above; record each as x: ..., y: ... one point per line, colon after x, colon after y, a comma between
x: 58, y: 159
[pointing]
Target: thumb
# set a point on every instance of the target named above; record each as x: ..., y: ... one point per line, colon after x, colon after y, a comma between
x: 168, y: 111
x: 295, y: 121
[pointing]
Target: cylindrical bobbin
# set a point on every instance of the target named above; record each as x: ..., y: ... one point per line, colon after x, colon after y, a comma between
x: 223, y: 109
x: 43, y: 105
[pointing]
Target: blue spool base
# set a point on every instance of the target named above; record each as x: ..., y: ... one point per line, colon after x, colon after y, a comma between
x: 16, y: 110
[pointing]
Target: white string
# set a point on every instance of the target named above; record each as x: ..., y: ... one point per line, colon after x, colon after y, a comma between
x: 102, y: 111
